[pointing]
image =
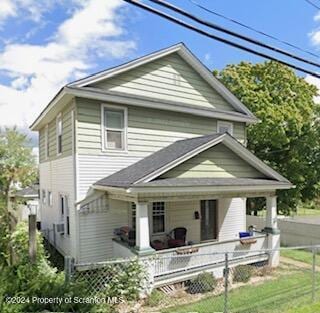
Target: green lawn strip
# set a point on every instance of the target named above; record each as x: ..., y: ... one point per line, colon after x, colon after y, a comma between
x: 313, y: 308
x: 301, y: 255
x: 279, y: 294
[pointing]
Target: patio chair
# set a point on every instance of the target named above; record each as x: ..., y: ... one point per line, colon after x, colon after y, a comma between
x: 177, y: 237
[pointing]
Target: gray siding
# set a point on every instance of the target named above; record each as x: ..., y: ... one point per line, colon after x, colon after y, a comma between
x: 159, y: 79
x: 218, y: 161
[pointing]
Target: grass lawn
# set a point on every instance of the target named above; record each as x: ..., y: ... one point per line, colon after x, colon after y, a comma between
x: 301, y: 255
x: 274, y: 296
x: 308, y: 212
x: 313, y: 308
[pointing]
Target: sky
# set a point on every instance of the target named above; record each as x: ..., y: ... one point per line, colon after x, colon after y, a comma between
x: 45, y: 44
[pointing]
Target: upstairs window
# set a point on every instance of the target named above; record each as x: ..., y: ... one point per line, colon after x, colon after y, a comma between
x: 59, y: 134
x: 46, y: 141
x: 224, y: 127
x: 114, y: 128
x: 158, y: 217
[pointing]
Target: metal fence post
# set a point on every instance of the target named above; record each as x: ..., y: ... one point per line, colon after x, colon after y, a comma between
x: 68, y: 268
x: 226, y: 283
x: 313, y: 274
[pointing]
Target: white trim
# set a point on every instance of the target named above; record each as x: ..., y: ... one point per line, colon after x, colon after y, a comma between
x: 202, y: 189
x: 58, y: 119
x: 188, y: 56
x: 229, y: 125
x: 125, y: 132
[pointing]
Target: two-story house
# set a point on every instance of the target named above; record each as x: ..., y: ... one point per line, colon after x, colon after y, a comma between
x: 149, y: 157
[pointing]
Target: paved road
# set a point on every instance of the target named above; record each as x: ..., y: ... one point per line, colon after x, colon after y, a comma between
x: 305, y: 219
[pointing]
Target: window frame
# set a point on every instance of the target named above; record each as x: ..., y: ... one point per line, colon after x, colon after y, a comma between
x: 104, y: 147
x: 50, y: 199
x: 44, y: 196
x: 133, y: 215
x: 164, y: 218
x: 58, y: 120
x: 46, y: 142
x: 225, y: 124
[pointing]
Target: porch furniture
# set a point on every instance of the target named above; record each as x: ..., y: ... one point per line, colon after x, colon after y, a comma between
x: 157, y: 245
x: 177, y: 237
x: 128, y: 235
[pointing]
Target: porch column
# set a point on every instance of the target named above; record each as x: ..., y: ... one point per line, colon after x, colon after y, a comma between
x: 272, y: 230
x: 142, y: 229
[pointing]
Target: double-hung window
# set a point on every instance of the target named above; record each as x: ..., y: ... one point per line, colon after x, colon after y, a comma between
x: 46, y: 140
x: 225, y: 127
x: 59, y: 134
x: 65, y: 213
x: 114, y: 128
x: 158, y: 217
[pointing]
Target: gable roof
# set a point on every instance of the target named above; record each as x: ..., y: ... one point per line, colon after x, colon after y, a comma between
x: 187, y: 56
x: 153, y: 166
x: 81, y: 88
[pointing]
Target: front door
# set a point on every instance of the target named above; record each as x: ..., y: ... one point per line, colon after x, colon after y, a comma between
x: 209, y: 221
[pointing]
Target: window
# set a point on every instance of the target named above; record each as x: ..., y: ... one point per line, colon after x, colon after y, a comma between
x: 46, y: 141
x: 158, y: 217
x: 59, y: 134
x: 67, y: 222
x: 44, y: 200
x: 224, y: 127
x: 62, y: 206
x: 133, y: 215
x: 50, y: 198
x: 114, y: 128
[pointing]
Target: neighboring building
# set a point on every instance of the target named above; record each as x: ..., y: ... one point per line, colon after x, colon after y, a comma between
x: 25, y: 201
x: 155, y: 144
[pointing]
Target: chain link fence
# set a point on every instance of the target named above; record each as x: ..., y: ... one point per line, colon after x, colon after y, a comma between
x: 232, y: 285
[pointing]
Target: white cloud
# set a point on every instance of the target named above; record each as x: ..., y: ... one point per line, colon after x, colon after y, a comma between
x: 316, y: 82
x: 37, y: 72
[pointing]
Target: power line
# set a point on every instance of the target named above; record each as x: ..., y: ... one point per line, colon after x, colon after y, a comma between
x: 254, y: 29
x: 223, y: 40
x: 232, y: 33
x: 312, y: 4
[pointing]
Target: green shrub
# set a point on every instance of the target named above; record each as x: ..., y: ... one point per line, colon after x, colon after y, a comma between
x: 25, y: 280
x: 204, y: 282
x: 155, y: 298
x: 124, y: 280
x: 242, y: 273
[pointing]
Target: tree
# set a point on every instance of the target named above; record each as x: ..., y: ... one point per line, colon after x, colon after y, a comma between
x: 17, y: 164
x: 287, y: 138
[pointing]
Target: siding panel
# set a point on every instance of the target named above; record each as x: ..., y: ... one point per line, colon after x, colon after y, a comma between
x: 169, y: 78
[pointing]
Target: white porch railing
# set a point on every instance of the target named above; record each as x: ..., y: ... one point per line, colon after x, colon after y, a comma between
x: 171, y: 261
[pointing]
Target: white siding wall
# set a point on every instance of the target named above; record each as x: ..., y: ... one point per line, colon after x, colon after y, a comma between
x: 96, y: 231
x: 181, y: 214
x: 57, y: 176
x: 232, y: 218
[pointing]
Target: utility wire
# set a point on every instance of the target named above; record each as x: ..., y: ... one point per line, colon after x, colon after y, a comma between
x: 254, y: 29
x: 232, y: 33
x: 223, y: 40
x: 312, y: 4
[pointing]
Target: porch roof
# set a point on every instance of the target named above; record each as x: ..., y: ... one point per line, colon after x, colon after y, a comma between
x: 190, y: 182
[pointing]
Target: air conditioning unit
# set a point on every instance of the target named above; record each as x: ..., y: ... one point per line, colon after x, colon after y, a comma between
x: 60, y: 228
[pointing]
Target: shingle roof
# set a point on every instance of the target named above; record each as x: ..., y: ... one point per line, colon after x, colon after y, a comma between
x: 189, y: 182
x: 131, y: 174
x: 28, y: 192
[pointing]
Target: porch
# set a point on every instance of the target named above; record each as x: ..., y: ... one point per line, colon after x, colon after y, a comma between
x: 178, y: 264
